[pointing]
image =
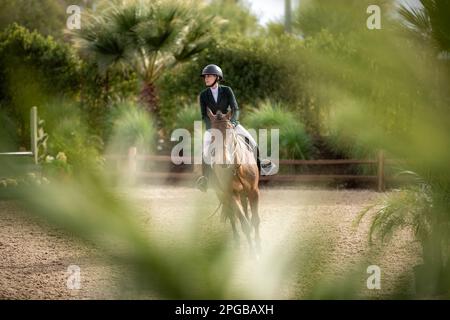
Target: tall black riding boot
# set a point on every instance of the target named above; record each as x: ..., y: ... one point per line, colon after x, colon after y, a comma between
x: 258, y: 160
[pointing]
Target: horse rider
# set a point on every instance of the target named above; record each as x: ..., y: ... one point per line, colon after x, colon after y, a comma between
x: 219, y: 97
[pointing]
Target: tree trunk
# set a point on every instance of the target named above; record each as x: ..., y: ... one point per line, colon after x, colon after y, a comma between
x: 149, y: 98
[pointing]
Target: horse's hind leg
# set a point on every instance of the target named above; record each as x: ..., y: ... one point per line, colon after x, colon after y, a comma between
x: 254, y: 204
x: 244, y: 202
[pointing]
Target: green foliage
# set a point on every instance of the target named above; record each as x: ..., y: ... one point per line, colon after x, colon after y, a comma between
x: 356, y: 74
x: 99, y: 93
x: 249, y: 68
x: 237, y: 16
x: 32, y: 69
x: 48, y: 17
x: 145, y: 36
x: 421, y: 207
x: 56, y: 167
x: 8, y: 132
x: 337, y: 17
x: 377, y: 89
x: 349, y: 146
x: 88, y: 208
x: 429, y: 22
x: 68, y: 133
x: 54, y: 62
x: 256, y: 69
x: 408, y: 208
x: 388, y: 92
x: 275, y: 29
x: 295, y: 143
x: 131, y: 126
x: 337, y: 46
x: 35, y: 69
x: 186, y: 117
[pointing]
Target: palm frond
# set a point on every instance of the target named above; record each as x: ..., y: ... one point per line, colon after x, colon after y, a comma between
x: 159, y: 29
x: 148, y: 36
x: 99, y: 39
x: 430, y: 21
x: 125, y: 19
x: 362, y: 214
x: 196, y: 37
x: 409, y: 208
x: 416, y: 18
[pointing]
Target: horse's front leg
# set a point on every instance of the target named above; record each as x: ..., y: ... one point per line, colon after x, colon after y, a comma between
x: 228, y: 211
x: 244, y: 202
x: 244, y: 222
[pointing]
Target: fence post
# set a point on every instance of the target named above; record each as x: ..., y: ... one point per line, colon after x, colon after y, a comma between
x: 380, y: 173
x: 132, y: 165
x: 33, y: 132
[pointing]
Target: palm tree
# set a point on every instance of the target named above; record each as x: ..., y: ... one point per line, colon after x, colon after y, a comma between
x: 147, y: 37
x: 431, y: 21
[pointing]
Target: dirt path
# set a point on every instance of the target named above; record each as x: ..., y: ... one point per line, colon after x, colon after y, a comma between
x: 34, y: 257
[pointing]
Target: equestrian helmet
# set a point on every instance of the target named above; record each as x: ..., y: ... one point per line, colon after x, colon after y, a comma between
x: 212, y: 69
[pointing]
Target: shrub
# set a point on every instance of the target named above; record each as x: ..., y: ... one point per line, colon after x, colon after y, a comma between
x: 186, y: 117
x: 46, y: 16
x: 35, y: 69
x: 69, y: 133
x: 32, y: 69
x: 295, y: 143
x: 131, y: 125
x: 7, y: 132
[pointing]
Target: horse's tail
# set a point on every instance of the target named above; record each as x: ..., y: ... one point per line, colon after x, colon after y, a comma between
x: 215, y: 211
x: 224, y: 215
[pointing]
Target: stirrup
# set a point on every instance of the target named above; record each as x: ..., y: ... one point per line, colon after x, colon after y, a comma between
x: 202, y: 183
x: 268, y: 168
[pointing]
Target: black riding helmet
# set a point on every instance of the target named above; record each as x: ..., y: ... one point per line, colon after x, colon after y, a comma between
x: 214, y: 70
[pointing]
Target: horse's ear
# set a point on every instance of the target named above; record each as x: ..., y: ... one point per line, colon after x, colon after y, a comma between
x: 228, y: 115
x: 210, y: 114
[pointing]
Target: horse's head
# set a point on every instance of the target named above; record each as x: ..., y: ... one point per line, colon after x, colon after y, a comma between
x: 221, y: 122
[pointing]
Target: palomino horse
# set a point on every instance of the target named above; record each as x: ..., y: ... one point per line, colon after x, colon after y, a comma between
x: 235, y: 176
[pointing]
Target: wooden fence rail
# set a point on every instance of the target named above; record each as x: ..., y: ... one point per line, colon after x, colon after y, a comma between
x: 133, y: 158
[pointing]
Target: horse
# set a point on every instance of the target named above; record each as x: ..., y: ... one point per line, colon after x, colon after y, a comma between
x: 236, y: 178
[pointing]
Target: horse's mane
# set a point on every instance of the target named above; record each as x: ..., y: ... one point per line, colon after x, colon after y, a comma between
x: 242, y: 151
